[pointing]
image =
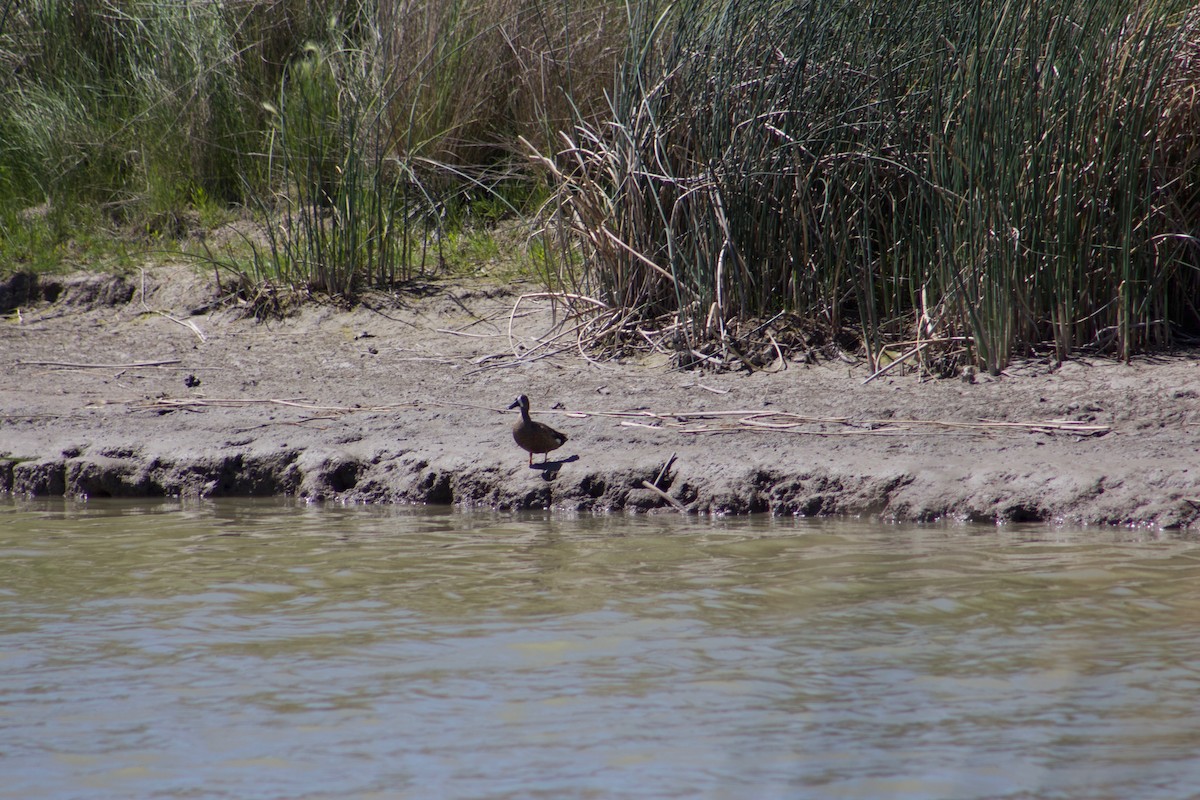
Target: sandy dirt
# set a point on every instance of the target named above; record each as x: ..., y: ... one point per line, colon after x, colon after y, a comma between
x: 142, y: 387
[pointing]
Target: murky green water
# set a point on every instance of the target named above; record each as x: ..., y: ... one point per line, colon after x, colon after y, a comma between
x: 262, y: 650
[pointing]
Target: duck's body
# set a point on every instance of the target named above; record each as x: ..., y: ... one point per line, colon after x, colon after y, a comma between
x: 535, y: 437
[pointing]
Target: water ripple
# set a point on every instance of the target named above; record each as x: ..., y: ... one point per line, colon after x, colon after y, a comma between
x: 266, y: 650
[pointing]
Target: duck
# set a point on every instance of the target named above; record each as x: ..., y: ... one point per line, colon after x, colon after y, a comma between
x: 536, y: 437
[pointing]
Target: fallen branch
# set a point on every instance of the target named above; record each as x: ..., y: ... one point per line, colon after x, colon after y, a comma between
x: 604, y: 307
x: 296, y: 422
x: 464, y: 333
x: 666, y: 470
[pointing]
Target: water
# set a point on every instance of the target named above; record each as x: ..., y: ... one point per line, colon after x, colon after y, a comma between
x: 265, y: 650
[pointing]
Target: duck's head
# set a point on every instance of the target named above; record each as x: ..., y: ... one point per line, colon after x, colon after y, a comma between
x: 522, y: 402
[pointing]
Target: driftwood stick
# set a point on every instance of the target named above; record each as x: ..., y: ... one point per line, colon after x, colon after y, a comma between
x: 74, y: 365
x: 628, y: 424
x: 666, y: 469
x: 710, y: 389
x: 678, y: 506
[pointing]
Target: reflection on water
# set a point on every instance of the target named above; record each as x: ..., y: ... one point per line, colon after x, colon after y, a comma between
x: 265, y: 650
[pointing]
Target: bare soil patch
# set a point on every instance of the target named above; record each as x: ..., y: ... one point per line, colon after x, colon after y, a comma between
x: 142, y: 386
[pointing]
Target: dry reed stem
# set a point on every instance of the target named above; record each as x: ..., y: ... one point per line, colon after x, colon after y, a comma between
x: 184, y: 403
x: 787, y: 422
x: 918, y: 347
x: 894, y: 362
x: 464, y: 333
x: 189, y: 324
x: 75, y: 365
x: 603, y: 321
x: 567, y: 296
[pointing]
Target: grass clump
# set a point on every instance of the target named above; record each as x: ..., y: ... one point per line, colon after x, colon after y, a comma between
x: 358, y: 133
x: 126, y: 106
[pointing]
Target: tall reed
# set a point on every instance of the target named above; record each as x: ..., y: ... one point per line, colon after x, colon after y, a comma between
x: 990, y: 169
x: 1044, y: 153
x: 401, y: 121
x: 338, y: 218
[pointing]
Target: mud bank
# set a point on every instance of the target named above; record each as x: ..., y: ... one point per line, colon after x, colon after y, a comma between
x: 142, y: 386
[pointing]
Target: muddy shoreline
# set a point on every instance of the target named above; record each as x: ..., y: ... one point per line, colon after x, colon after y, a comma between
x: 141, y: 387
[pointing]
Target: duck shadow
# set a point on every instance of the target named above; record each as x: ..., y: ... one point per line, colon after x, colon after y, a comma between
x: 550, y: 468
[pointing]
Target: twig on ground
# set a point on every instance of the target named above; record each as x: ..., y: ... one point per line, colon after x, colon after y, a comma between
x: 788, y: 422
x: 567, y: 296
x: 286, y: 422
x: 464, y: 333
x: 190, y: 403
x: 920, y: 345
x: 75, y: 365
x: 189, y: 324
x: 710, y: 388
x: 778, y: 353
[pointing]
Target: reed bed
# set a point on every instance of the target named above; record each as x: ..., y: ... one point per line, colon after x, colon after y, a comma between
x: 1004, y: 172
x: 966, y: 181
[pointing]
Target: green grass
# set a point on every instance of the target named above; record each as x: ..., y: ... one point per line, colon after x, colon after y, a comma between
x: 43, y: 241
